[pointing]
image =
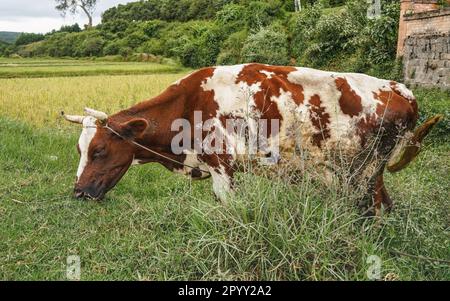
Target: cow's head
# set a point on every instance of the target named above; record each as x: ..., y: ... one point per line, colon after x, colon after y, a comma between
x: 104, y: 155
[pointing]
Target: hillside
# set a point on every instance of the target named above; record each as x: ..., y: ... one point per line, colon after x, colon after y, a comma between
x: 9, y: 36
x: 329, y: 34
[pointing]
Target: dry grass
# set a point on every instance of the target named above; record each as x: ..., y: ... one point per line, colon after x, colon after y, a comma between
x: 39, y: 100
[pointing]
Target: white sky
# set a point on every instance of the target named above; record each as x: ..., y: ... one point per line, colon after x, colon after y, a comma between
x: 40, y: 16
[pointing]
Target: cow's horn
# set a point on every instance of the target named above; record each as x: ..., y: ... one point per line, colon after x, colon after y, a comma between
x: 73, y: 118
x: 97, y: 114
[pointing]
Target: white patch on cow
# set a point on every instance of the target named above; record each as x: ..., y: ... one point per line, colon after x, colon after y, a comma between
x: 136, y: 161
x: 343, y: 128
x: 87, y: 134
x: 231, y: 97
x: 405, y: 92
x: 267, y: 73
x: 221, y: 184
x: 234, y: 98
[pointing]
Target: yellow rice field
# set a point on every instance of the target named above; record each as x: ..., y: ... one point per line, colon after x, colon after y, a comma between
x: 40, y: 100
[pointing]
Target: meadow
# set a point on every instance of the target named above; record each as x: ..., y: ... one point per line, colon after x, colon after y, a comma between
x: 18, y: 68
x: 155, y: 225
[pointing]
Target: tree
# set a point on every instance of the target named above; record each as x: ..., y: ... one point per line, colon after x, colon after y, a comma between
x: 87, y: 6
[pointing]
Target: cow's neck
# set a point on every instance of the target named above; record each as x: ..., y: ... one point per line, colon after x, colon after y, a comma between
x: 160, y: 112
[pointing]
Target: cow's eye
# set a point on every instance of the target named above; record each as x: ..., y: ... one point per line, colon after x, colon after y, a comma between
x: 99, y: 153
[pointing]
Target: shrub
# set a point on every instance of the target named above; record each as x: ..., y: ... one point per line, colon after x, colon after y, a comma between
x: 112, y: 48
x: 301, y: 27
x: 92, y: 46
x: 153, y: 46
x: 258, y: 14
x: 201, y: 48
x: 125, y: 51
x: 27, y: 38
x: 334, y: 34
x: 115, y: 26
x: 266, y: 46
x: 153, y: 28
x: 230, y: 13
x: 230, y: 53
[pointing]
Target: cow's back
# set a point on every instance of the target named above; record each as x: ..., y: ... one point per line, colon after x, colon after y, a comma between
x: 318, y: 111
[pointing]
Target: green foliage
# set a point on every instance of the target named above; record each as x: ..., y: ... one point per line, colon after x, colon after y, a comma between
x: 201, y: 47
x: 268, y: 45
x: 230, y: 13
x: 92, y: 46
x: 199, y: 33
x: 153, y: 28
x: 433, y: 102
x: 67, y: 28
x: 28, y: 38
x: 301, y: 26
x: 230, y: 53
x: 169, y: 10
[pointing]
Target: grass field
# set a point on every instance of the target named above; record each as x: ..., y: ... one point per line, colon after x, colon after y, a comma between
x: 158, y: 225
x: 18, y: 68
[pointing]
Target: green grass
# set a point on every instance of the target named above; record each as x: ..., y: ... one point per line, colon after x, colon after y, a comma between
x: 19, y: 68
x: 157, y: 225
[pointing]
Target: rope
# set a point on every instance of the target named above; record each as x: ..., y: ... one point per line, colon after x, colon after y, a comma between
x: 152, y: 151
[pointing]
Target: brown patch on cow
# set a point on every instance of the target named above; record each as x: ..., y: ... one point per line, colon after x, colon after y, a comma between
x: 253, y: 73
x: 350, y: 102
x: 320, y: 120
x: 394, y: 115
x: 270, y: 86
x: 412, y: 101
x: 396, y: 108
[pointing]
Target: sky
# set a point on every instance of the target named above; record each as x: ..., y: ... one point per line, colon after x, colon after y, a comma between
x: 40, y: 16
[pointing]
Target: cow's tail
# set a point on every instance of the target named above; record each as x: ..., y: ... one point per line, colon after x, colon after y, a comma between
x: 409, y: 146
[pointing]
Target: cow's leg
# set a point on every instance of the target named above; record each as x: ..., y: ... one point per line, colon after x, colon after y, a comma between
x: 378, y: 196
x: 383, y: 194
x: 222, y: 171
x: 222, y: 183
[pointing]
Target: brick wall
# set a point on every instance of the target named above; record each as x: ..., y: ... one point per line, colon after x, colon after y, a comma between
x: 408, y: 7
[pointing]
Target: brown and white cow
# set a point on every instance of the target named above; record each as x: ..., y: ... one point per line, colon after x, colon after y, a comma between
x: 324, y: 114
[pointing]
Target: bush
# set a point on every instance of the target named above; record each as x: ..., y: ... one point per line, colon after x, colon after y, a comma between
x: 92, y: 46
x: 301, y: 26
x: 27, y: 38
x: 230, y: 53
x: 230, y: 13
x: 112, y: 48
x: 333, y: 35
x: 258, y: 14
x: 201, y: 47
x: 266, y: 46
x: 153, y: 46
x: 153, y: 28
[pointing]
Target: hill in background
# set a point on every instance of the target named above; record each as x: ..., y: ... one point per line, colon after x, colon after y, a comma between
x: 9, y: 36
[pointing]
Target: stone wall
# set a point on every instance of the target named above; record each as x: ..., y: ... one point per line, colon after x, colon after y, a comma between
x: 426, y: 45
x: 426, y: 60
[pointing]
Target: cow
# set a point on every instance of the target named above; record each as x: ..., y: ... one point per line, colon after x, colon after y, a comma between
x: 322, y: 115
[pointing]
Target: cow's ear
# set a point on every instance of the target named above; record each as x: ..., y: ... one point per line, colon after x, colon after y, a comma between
x: 133, y: 128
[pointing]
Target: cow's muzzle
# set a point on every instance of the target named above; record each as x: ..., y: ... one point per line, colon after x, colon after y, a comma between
x: 89, y: 192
